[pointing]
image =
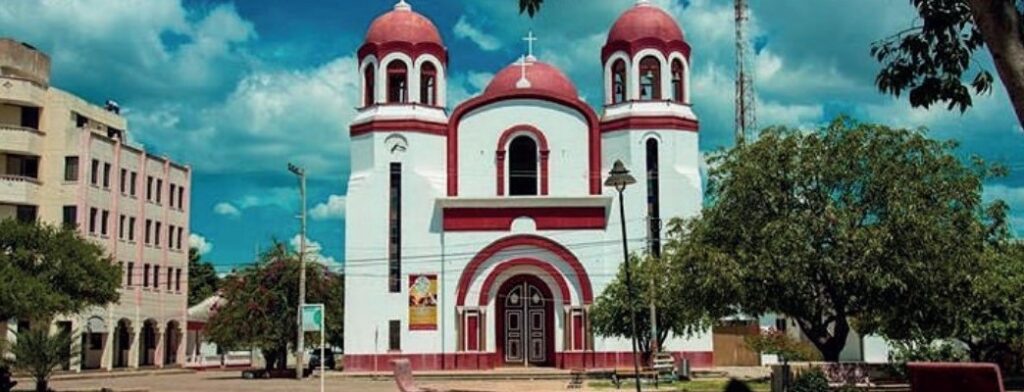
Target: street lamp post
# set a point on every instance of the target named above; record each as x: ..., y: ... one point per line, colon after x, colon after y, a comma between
x: 619, y: 178
x: 299, y: 346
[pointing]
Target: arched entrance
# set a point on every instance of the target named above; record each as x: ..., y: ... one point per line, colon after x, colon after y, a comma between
x: 147, y: 346
x: 122, y: 343
x: 172, y: 340
x: 525, y: 322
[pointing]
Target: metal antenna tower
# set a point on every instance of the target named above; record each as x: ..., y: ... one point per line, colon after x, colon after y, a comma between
x: 746, y: 120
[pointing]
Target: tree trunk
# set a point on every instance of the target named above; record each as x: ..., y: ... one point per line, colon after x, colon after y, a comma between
x: 282, y: 354
x: 829, y: 344
x: 42, y: 385
x: 1000, y: 26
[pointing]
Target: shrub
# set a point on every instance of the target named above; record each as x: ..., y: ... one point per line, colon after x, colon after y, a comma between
x: 777, y: 342
x: 812, y: 380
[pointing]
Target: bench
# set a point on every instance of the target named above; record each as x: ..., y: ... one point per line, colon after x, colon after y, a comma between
x: 954, y: 377
x: 403, y: 377
x: 625, y: 374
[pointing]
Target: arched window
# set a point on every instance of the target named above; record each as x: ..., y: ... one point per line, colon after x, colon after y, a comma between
x: 368, y: 84
x: 398, y: 82
x: 428, y: 84
x: 619, y: 81
x: 522, y: 166
x: 650, y: 78
x: 677, y: 81
x: 653, y: 202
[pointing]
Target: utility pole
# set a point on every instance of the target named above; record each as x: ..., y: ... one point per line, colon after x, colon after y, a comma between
x: 745, y: 115
x: 299, y: 346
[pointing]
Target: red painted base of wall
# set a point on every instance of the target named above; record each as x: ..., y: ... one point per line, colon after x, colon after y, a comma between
x: 486, y: 361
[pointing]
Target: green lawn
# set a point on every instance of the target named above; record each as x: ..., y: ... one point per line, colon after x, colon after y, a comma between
x: 715, y: 385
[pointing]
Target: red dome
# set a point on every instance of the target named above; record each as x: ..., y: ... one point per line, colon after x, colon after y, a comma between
x: 542, y: 76
x: 645, y: 21
x: 403, y: 25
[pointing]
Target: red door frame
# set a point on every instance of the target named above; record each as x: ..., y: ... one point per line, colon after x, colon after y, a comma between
x: 549, y: 318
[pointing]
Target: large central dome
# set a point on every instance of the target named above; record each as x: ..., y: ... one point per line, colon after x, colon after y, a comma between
x: 540, y: 75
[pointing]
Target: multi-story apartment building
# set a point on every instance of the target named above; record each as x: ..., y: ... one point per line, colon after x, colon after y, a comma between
x: 66, y: 161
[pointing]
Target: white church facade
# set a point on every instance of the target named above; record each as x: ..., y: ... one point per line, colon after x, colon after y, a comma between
x: 479, y: 237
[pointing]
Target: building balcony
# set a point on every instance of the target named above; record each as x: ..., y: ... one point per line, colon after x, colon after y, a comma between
x: 17, y: 189
x: 22, y: 91
x: 17, y: 138
x: 660, y: 108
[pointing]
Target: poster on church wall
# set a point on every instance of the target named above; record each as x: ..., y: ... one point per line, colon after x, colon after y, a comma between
x: 423, y: 302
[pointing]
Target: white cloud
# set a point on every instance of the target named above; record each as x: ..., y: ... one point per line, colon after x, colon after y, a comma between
x: 224, y: 208
x: 313, y: 250
x: 200, y: 243
x: 333, y: 208
x: 485, y: 41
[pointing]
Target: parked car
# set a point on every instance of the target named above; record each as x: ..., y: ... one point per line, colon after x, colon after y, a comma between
x: 314, y: 359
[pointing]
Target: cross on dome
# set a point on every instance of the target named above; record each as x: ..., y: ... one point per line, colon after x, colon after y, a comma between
x: 530, y: 38
x: 403, y: 6
x: 523, y: 82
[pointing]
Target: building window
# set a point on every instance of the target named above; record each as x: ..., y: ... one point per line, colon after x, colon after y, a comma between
x: 120, y: 265
x: 80, y: 120
x: 650, y: 78
x: 104, y: 222
x: 94, y: 177
x: 619, y: 81
x: 149, y: 230
x: 170, y: 236
x: 398, y: 88
x: 22, y: 166
x: 395, y: 335
x: 124, y: 181
x: 171, y: 196
x: 131, y: 229
x: 25, y: 214
x: 677, y: 81
x: 181, y: 197
x: 156, y: 276
x: 106, y: 175
x: 177, y: 280
x: 522, y: 166
x: 134, y: 180
x: 156, y: 235
x: 169, y: 280
x: 93, y: 215
x: 428, y: 84
x: 395, y: 229
x: 180, y: 232
x: 653, y: 199
x: 70, y: 217
x: 30, y: 117
x: 71, y: 169
x: 149, y: 188
x: 145, y: 275
x: 368, y: 83
x: 159, y: 189
x: 120, y: 226
x: 131, y: 273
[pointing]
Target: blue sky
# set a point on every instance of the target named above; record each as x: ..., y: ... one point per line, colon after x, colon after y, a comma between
x: 238, y: 89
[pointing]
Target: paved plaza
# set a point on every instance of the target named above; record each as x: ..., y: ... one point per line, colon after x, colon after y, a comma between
x: 223, y: 381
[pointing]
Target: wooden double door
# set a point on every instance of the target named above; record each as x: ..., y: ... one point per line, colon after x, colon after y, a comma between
x: 525, y: 322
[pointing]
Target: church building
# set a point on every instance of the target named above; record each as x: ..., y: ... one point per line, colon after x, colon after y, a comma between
x: 479, y: 237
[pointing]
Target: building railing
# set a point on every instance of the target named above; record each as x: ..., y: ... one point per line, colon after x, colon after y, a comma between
x: 19, y: 128
x: 19, y: 178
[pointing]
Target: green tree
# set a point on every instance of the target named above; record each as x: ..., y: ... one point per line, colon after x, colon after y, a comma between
x: 651, y: 281
x: 39, y: 353
x: 48, y: 271
x: 848, y: 222
x: 931, y: 58
x: 261, y: 305
x: 203, y: 281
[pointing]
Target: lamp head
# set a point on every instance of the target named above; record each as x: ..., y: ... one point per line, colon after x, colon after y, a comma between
x: 296, y: 170
x: 619, y: 177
